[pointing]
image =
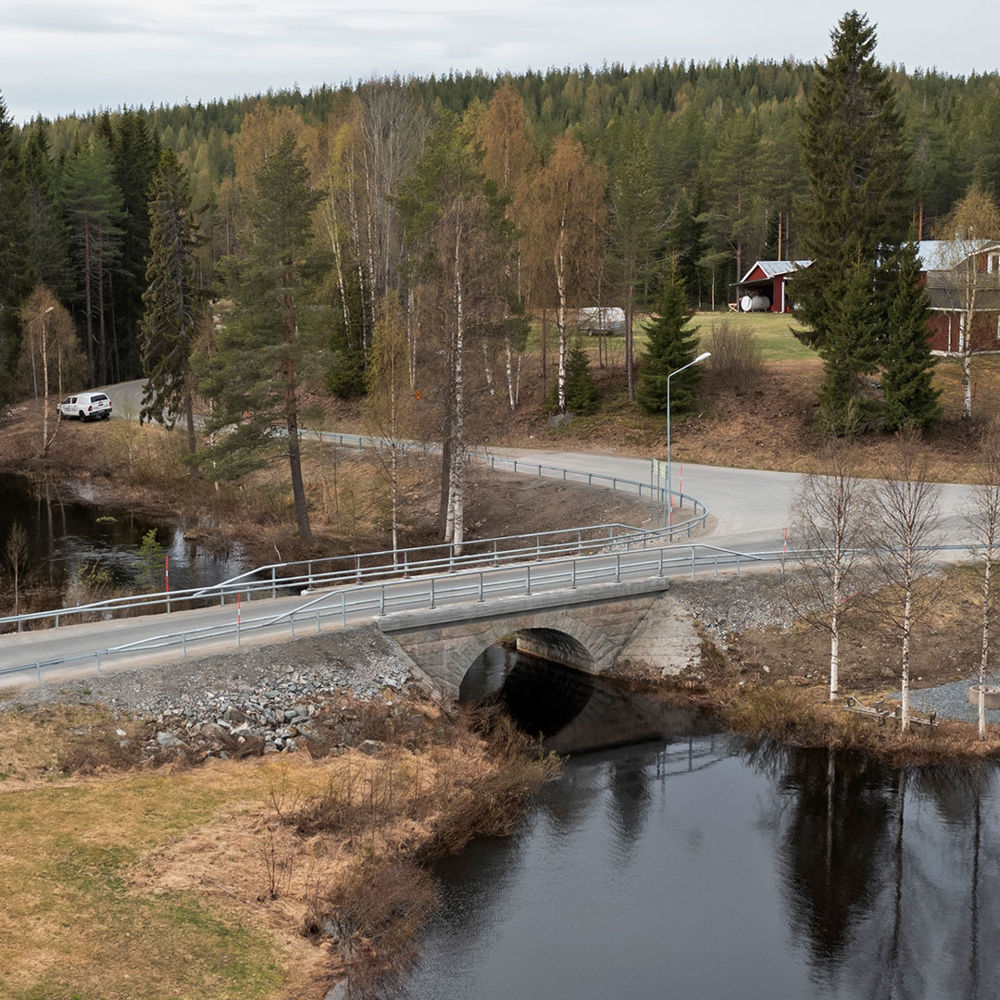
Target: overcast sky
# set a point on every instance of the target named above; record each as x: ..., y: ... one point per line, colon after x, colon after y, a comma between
x: 63, y: 56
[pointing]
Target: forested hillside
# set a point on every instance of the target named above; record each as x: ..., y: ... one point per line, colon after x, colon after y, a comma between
x: 433, y: 219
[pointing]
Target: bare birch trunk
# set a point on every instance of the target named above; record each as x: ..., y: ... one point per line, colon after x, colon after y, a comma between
x: 491, y: 388
x: 456, y: 500
x: 985, y: 644
x: 45, y: 386
x: 560, y: 261
x: 509, y: 367
x: 904, y: 698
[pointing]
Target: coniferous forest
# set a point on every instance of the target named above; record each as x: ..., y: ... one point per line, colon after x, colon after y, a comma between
x: 309, y: 232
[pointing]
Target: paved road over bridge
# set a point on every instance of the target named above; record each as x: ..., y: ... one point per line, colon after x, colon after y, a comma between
x: 749, y: 512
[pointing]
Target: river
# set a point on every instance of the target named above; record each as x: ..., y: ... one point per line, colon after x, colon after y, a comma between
x: 70, y: 537
x: 697, y: 865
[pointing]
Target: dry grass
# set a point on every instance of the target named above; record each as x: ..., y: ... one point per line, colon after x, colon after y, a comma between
x: 214, y: 881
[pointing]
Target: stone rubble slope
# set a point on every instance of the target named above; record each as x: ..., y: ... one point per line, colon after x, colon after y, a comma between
x: 265, y: 696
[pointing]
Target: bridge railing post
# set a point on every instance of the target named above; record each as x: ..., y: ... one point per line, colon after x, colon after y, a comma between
x: 432, y: 593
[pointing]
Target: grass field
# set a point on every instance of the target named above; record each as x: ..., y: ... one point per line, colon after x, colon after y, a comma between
x: 772, y: 331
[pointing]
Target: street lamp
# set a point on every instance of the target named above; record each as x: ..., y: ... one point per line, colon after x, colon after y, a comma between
x: 668, y: 500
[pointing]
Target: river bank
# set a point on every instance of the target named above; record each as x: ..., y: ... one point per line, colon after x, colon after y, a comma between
x: 278, y: 804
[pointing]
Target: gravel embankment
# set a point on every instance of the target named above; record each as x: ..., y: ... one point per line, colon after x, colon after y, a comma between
x: 265, y: 695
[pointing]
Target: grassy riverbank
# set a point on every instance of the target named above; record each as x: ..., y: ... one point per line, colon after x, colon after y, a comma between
x: 227, y: 879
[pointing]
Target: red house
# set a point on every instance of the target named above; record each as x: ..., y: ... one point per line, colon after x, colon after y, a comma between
x: 764, y: 288
x: 962, y: 279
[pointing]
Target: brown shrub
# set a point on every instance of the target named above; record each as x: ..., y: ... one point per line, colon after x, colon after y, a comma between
x: 737, y: 362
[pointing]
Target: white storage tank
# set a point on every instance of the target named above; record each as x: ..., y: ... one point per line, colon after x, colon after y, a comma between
x: 755, y: 303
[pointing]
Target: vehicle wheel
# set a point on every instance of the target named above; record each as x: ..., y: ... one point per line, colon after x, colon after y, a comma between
x: 104, y: 416
x: 83, y: 417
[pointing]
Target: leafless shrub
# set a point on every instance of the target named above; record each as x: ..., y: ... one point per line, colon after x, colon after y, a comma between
x: 737, y: 361
x: 376, y: 912
x: 278, y: 863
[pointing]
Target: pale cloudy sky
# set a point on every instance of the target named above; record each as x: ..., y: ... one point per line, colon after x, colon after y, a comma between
x: 61, y: 56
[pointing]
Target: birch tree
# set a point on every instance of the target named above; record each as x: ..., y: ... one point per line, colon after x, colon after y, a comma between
x: 636, y: 224
x: 388, y: 407
x: 50, y: 353
x: 564, y: 208
x: 971, y: 233
x: 984, y: 523
x: 509, y: 157
x: 903, y: 522
x: 461, y: 243
x: 829, y: 514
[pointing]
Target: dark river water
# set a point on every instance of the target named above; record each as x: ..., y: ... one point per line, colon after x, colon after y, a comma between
x: 696, y: 866
x: 70, y: 537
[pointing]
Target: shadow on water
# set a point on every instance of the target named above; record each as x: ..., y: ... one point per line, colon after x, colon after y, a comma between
x: 696, y: 864
x: 571, y: 710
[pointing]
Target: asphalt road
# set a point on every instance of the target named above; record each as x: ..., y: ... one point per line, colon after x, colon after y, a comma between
x: 750, y: 511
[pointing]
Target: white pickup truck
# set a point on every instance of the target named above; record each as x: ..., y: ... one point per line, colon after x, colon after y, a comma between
x: 86, y: 406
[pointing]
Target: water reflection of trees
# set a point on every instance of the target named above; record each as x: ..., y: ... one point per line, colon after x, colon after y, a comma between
x: 884, y: 871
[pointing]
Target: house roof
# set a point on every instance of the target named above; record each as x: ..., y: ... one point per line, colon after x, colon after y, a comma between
x: 944, y: 255
x: 774, y: 268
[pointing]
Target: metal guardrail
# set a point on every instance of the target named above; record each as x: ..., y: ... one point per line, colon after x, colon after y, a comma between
x: 339, y: 608
x: 332, y: 571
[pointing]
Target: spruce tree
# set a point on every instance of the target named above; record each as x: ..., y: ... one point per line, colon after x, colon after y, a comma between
x: 94, y: 209
x: 672, y: 343
x: 907, y: 382
x: 173, y: 303
x: 48, y: 239
x: 856, y: 215
x: 580, y: 389
x: 849, y: 351
x: 135, y: 156
x: 15, y: 280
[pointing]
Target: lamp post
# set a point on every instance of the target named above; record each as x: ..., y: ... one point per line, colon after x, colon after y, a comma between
x: 668, y: 500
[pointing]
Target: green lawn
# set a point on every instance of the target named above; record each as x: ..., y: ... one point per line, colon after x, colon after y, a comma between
x: 771, y: 330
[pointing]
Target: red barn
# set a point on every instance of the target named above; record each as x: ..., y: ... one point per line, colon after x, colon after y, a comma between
x: 764, y: 287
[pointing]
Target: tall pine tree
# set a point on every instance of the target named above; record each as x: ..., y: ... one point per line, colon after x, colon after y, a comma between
x: 174, y: 305
x: 15, y: 279
x: 272, y: 338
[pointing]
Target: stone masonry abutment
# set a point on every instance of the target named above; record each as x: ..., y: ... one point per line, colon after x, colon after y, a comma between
x: 594, y: 629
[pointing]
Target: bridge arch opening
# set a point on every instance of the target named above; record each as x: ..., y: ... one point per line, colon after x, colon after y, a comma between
x: 539, y: 675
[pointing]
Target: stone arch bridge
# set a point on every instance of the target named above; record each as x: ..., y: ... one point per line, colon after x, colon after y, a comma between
x: 597, y: 629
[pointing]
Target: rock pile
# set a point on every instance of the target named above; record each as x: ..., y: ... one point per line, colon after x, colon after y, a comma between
x: 259, y: 699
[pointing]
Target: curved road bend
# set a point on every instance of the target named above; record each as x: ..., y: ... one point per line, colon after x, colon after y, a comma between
x: 749, y: 512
